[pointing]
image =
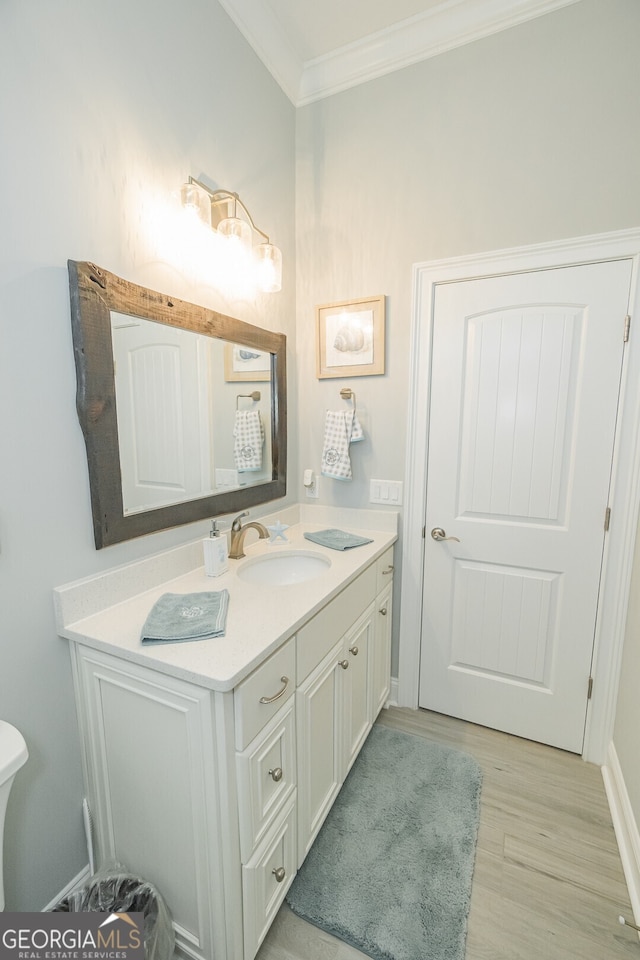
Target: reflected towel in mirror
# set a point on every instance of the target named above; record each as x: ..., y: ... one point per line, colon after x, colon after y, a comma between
x: 248, y: 435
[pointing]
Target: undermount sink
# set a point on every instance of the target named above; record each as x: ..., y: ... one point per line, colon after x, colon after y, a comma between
x: 284, y: 568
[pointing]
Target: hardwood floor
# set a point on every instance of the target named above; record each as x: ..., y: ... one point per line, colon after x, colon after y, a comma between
x: 548, y: 882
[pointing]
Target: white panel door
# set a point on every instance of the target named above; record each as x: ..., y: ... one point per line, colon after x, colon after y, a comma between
x: 524, y: 393
x: 161, y: 393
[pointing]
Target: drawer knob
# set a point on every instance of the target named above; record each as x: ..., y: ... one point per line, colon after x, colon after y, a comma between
x: 388, y: 570
x: 279, y: 873
x: 344, y: 664
x: 353, y: 650
x: 280, y: 693
x: 383, y: 611
x: 276, y: 774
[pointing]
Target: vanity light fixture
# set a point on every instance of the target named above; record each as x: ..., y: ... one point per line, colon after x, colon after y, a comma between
x: 220, y: 210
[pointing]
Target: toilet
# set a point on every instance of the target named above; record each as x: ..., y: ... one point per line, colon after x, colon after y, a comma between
x: 13, y: 754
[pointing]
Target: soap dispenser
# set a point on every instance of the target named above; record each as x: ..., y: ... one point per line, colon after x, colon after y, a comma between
x: 216, y: 555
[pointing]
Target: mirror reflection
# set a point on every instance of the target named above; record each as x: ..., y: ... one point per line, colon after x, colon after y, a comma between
x: 193, y: 413
x: 183, y: 409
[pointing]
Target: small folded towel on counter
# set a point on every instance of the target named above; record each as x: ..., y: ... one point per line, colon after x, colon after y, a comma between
x: 341, y: 428
x: 337, y: 539
x: 178, y: 617
x: 248, y: 435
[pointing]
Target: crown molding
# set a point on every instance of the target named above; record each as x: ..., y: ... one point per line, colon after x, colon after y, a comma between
x: 442, y: 28
x: 451, y: 24
x: 263, y: 31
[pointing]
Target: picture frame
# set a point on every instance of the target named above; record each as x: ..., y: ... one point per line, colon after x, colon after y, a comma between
x: 350, y: 338
x: 246, y: 364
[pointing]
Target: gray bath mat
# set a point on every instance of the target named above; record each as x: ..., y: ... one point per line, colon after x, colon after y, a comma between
x: 390, y: 871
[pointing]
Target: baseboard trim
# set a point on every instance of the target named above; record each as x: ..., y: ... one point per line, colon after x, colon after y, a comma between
x: 625, y: 826
x: 74, y: 884
x: 393, y: 693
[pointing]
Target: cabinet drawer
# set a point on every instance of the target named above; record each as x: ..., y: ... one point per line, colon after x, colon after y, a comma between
x: 266, y: 777
x: 267, y: 877
x: 259, y: 697
x: 316, y: 637
x: 384, y: 570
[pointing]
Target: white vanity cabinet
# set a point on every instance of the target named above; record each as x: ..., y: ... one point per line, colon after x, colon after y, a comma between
x: 216, y: 795
x: 339, y: 697
x: 161, y: 793
x: 381, y: 667
x: 267, y: 790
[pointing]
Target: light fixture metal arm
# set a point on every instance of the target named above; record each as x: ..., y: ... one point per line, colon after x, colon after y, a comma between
x: 218, y: 196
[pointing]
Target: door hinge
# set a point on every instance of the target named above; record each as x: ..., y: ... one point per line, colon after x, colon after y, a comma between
x: 424, y: 532
x: 590, y: 688
x: 627, y: 328
x: 607, y: 519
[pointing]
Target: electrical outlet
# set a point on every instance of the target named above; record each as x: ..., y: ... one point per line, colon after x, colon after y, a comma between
x: 226, y: 478
x: 312, y: 492
x: 388, y: 492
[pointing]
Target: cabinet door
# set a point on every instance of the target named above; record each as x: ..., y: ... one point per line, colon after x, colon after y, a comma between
x: 381, y: 654
x: 152, y: 786
x: 357, y: 700
x: 320, y: 745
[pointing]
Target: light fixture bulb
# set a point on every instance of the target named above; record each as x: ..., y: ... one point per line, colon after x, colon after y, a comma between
x: 269, y: 267
x: 236, y: 231
x: 196, y: 200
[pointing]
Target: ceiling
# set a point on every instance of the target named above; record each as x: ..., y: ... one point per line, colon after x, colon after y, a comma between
x: 315, y: 48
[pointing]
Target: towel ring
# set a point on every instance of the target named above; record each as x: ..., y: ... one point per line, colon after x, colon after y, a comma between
x: 250, y: 396
x: 348, y: 394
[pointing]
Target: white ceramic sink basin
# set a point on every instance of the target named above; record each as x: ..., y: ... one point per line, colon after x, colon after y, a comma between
x: 284, y: 568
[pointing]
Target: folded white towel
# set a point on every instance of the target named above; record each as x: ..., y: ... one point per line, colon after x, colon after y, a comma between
x: 341, y: 428
x: 249, y: 440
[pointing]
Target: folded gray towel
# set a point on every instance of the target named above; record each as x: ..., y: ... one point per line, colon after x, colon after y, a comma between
x: 178, y: 617
x: 337, y: 539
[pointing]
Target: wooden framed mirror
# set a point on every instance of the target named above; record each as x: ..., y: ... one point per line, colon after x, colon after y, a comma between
x: 165, y: 390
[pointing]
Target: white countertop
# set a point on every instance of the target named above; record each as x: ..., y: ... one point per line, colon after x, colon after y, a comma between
x: 259, y: 618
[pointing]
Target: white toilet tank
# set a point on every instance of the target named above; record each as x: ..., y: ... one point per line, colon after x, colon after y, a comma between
x: 13, y: 754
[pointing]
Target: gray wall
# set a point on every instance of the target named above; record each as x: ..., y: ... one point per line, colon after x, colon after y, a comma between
x: 105, y: 109
x: 627, y: 725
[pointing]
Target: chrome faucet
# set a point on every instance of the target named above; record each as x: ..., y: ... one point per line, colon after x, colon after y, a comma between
x: 238, y: 533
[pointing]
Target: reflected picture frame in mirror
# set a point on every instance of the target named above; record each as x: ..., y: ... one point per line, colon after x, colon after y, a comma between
x: 96, y: 294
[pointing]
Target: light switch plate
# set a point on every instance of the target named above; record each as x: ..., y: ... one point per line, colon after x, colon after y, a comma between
x: 388, y: 492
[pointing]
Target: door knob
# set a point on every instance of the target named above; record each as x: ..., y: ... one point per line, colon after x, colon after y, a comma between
x: 439, y: 534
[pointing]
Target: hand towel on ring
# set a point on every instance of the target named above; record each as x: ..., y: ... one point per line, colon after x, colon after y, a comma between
x: 341, y: 428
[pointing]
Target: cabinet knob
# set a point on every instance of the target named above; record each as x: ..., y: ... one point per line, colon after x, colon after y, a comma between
x: 279, y: 873
x: 353, y: 650
x: 276, y: 774
x: 344, y: 664
x: 383, y: 611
